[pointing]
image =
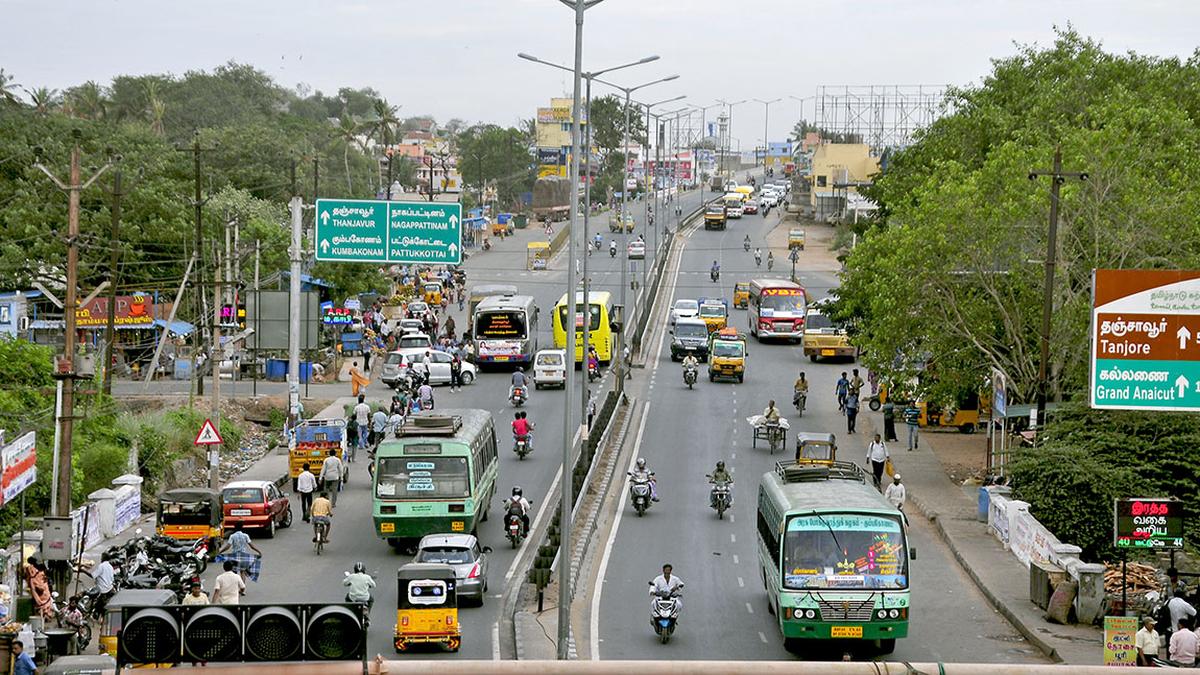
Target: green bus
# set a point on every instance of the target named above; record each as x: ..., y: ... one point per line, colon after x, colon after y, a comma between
x: 436, y: 474
x: 834, y: 555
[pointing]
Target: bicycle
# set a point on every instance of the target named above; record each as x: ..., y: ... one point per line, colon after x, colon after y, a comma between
x: 322, y: 530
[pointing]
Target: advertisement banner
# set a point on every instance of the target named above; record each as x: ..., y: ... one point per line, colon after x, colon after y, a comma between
x: 132, y: 311
x: 551, y: 156
x: 1148, y: 524
x: 1120, y: 641
x: 20, y: 466
x: 558, y: 116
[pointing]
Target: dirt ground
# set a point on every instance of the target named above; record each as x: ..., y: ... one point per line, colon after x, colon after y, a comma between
x: 963, y: 456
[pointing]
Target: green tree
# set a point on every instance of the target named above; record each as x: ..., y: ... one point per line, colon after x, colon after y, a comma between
x: 43, y: 99
x: 8, y: 89
x: 607, y: 117
x: 494, y: 155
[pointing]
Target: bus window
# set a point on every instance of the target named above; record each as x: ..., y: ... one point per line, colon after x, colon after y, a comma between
x: 422, y: 478
x: 844, y: 550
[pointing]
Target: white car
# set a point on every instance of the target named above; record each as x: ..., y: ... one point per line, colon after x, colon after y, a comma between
x: 418, y: 308
x: 549, y: 368
x: 407, y: 326
x: 637, y: 250
x: 399, y: 361
x: 769, y: 198
x: 414, y: 341
x: 684, y: 309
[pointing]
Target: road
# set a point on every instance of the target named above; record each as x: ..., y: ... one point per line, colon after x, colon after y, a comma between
x: 292, y: 571
x: 686, y: 432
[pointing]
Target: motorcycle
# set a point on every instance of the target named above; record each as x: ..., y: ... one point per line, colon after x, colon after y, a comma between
x: 639, y: 492
x: 593, y: 371
x: 521, y: 446
x: 612, y: 251
x: 689, y: 376
x: 517, y: 396
x: 770, y: 264
x: 800, y: 400
x: 718, y: 498
x: 746, y: 245
x: 714, y: 275
x: 757, y: 260
x: 664, y: 614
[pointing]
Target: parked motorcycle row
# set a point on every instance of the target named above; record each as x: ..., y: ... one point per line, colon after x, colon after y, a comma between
x: 146, y: 562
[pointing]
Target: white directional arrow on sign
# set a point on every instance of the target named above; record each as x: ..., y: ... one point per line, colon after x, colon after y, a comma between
x: 1181, y: 382
x: 453, y: 247
x: 325, y: 245
x: 1184, y: 335
x: 453, y: 220
x: 325, y: 218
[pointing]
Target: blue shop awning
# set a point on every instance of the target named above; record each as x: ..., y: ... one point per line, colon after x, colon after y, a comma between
x: 176, y: 327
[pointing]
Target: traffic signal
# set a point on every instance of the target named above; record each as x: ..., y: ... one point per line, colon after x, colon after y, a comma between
x: 168, y: 634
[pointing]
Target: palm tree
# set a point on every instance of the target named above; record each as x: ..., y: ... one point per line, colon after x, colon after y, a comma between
x: 8, y: 89
x: 156, y: 108
x: 347, y: 133
x: 88, y: 100
x: 44, y: 99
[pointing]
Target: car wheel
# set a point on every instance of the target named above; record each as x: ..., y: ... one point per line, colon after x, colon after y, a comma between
x: 812, y: 357
x: 468, y: 378
x: 287, y: 517
x: 270, y: 531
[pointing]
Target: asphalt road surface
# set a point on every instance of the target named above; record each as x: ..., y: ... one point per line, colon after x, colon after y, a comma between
x: 293, y: 572
x: 725, y: 608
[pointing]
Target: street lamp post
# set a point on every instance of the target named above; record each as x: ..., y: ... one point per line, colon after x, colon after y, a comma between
x: 766, y: 117
x: 587, y: 210
x: 703, y: 130
x: 729, y: 125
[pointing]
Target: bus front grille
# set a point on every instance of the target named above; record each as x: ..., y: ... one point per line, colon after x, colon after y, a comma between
x: 846, y: 610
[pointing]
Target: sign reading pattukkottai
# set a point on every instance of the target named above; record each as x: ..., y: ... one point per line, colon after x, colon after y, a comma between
x: 378, y: 231
x: 1145, y: 351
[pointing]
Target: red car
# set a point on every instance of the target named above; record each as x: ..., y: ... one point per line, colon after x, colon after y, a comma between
x: 257, y: 504
x: 750, y: 207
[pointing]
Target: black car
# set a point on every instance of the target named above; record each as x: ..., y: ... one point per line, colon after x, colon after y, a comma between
x: 689, y: 336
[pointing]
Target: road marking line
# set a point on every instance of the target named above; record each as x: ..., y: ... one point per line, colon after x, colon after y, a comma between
x: 749, y: 608
x: 594, y: 620
x: 732, y: 538
x: 741, y: 582
x: 762, y: 637
x: 735, y: 559
x: 731, y: 517
x: 512, y: 568
x: 496, y: 641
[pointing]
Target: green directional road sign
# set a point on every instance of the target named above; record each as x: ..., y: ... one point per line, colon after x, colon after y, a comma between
x: 372, y: 231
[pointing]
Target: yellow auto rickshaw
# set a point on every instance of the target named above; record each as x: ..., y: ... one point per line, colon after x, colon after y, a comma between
x: 427, y: 607
x: 188, y: 514
x: 537, y: 255
x: 815, y: 448
x: 110, y: 624
x: 431, y: 291
x: 964, y: 416
x: 741, y: 294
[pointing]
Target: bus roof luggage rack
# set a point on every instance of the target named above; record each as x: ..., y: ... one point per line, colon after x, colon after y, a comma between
x: 431, y: 425
x: 794, y: 472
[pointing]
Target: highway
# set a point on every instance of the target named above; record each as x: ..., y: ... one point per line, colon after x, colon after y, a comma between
x: 291, y: 569
x: 686, y: 432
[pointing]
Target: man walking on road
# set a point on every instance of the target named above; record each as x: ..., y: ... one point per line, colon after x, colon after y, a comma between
x: 877, y: 456
x: 306, y: 484
x: 331, y: 475
x: 896, y: 493
x: 912, y: 418
x: 229, y: 587
x: 362, y: 417
x: 851, y: 411
x: 841, y: 388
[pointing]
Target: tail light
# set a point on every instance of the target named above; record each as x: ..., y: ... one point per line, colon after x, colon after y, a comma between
x: 474, y: 571
x: 449, y: 619
x: 404, y: 621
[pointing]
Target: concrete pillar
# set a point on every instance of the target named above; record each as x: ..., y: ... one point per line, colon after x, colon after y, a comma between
x: 105, y: 500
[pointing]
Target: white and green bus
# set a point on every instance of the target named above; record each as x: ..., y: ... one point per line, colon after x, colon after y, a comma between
x: 834, y: 555
x: 438, y: 474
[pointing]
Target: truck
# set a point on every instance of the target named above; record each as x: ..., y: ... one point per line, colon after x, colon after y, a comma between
x: 714, y: 215
x: 551, y: 198
x: 311, y: 442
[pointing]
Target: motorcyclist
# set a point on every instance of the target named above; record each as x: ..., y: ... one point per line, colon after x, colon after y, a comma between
x: 517, y: 505
x: 641, y: 473
x: 599, y: 240
x: 666, y: 583
x: 522, y: 428
x: 612, y: 247
x: 746, y: 243
x: 799, y: 390
x: 770, y: 259
x: 593, y: 359
x: 720, y: 476
x: 758, y: 256
x: 690, y: 361
x: 715, y: 272
x: 519, y: 379
x: 359, y: 585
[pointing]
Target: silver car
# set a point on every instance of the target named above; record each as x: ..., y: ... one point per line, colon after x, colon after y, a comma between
x: 464, y: 554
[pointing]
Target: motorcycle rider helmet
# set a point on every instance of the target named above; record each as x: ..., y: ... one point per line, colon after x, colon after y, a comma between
x: 359, y: 568
x: 641, y: 463
x: 516, y: 491
x: 720, y: 465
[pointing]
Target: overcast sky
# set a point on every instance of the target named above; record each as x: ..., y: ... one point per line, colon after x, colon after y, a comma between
x: 457, y: 58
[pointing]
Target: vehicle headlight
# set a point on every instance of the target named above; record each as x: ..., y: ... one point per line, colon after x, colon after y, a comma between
x: 810, y: 614
x: 894, y: 613
x: 881, y: 614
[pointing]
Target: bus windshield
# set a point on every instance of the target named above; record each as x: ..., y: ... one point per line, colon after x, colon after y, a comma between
x: 508, y: 325
x: 594, y: 321
x: 422, y: 478
x: 844, y: 550
x: 782, y: 303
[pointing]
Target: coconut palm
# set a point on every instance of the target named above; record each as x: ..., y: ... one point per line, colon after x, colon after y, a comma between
x: 347, y: 133
x: 44, y: 99
x: 8, y: 89
x: 88, y: 101
x: 156, y: 108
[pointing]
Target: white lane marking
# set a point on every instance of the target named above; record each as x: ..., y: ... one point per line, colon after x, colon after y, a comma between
x: 732, y: 538
x: 741, y: 582
x: 735, y: 559
x: 496, y: 641
x: 594, y: 627
x: 749, y: 608
x: 512, y: 568
x: 762, y: 637
x: 731, y: 517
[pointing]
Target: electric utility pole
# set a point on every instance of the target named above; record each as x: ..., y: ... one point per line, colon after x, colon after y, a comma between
x: 1057, y: 178
x: 110, y: 333
x: 198, y: 204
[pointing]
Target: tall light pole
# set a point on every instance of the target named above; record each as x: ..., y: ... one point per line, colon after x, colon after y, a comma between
x: 587, y: 201
x: 703, y: 131
x: 800, y: 100
x: 766, y: 117
x: 729, y: 125
x: 628, y: 91
x: 645, y: 156
x: 674, y: 166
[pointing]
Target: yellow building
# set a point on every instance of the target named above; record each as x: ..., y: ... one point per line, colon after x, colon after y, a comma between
x: 552, y: 131
x: 837, y: 168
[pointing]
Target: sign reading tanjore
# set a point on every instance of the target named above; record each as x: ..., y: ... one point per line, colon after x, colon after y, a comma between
x: 372, y: 231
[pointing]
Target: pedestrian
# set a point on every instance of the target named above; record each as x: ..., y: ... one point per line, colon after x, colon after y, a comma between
x: 238, y: 547
x: 38, y: 580
x: 841, y: 388
x: 851, y: 412
x: 912, y: 418
x: 379, y: 422
x: 896, y: 492
x: 1147, y: 642
x: 873, y: 378
x: 455, y: 373
x: 877, y: 457
x: 425, y: 364
x: 362, y: 418
x: 331, y: 475
x: 358, y: 381
x: 627, y: 359
x: 462, y: 299
x: 1179, y: 608
x: 889, y: 421
x: 856, y: 383
x: 195, y: 596
x: 229, y: 586
x: 22, y: 662
x: 306, y: 484
x: 591, y: 409
x: 1184, y: 643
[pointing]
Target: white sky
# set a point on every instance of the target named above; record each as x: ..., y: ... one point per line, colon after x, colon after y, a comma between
x: 457, y: 58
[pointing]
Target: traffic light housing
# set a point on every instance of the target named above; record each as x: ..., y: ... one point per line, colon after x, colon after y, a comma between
x: 167, y: 634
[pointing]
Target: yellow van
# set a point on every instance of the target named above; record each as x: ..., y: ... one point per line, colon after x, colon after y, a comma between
x: 746, y: 191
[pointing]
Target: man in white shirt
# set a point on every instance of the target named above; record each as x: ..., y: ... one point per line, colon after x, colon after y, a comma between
x: 306, y: 484
x: 877, y: 456
x: 103, y: 577
x: 1179, y: 608
x: 362, y: 417
x: 229, y: 587
x: 1147, y: 642
x: 331, y: 476
x: 896, y: 493
x: 666, y: 582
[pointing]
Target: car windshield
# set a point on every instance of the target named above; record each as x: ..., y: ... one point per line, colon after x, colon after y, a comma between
x: 729, y: 350
x: 506, y: 325
x: 410, y: 341
x: 782, y: 303
x: 422, y: 478
x: 690, y: 330
x: 712, y: 310
x: 715, y: 208
x: 550, y: 359
x: 242, y: 495
x: 446, y: 555
x: 817, y: 322
x: 686, y: 306
x: 844, y: 550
